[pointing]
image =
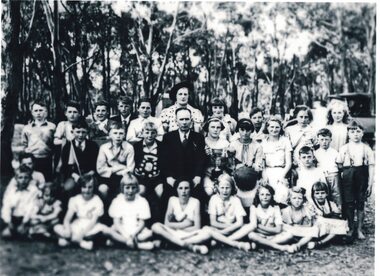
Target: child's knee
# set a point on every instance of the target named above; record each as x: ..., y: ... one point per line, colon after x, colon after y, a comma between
x: 156, y: 227
x: 103, y: 190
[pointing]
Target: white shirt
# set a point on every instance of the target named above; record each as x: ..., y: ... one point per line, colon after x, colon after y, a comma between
x: 327, y: 160
x: 226, y: 211
x: 86, y: 209
x: 182, y: 135
x: 307, y: 177
x: 131, y: 213
x: 18, y: 202
x: 135, y: 129
x: 188, y: 212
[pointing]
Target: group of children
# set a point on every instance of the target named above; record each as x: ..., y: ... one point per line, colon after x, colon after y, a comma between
x: 306, y: 187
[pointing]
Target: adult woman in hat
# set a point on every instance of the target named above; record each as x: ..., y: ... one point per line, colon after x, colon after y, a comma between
x: 179, y: 94
x: 218, y: 110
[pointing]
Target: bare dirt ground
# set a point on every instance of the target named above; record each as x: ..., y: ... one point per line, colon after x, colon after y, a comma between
x: 46, y: 258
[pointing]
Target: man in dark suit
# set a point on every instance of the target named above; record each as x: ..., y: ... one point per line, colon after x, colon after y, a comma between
x: 183, y: 155
x: 125, y: 107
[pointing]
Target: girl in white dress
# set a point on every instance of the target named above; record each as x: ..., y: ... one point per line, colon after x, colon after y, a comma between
x: 87, y: 208
x: 216, y: 151
x: 277, y: 158
x: 301, y: 134
x: 337, y: 122
x: 328, y: 216
x: 265, y: 221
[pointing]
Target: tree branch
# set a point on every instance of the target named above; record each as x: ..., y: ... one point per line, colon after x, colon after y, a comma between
x: 31, y: 23
x: 75, y: 63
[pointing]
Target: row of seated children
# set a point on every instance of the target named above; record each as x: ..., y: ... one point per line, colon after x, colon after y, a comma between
x: 289, y: 229
x: 356, y: 158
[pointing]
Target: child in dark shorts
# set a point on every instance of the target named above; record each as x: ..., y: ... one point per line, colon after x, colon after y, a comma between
x: 356, y: 159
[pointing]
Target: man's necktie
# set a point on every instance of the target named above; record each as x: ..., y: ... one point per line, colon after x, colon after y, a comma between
x: 185, y: 140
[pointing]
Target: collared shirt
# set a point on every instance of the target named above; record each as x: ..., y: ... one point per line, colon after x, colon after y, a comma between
x: 81, y: 146
x: 110, y: 156
x: 182, y: 135
x: 168, y: 115
x: 356, y: 154
x: 135, y: 129
x: 125, y: 120
x: 38, y: 139
x: 102, y: 125
x: 18, y: 202
x: 247, y: 154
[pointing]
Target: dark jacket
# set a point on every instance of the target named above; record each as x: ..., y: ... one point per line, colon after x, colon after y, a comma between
x: 181, y: 161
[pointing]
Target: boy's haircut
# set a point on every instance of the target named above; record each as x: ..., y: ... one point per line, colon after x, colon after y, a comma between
x: 144, y: 100
x: 227, y: 178
x: 324, y: 132
x: 305, y: 150
x: 256, y: 110
x: 81, y: 123
x: 116, y: 125
x: 150, y: 126
x: 299, y: 108
x: 297, y: 190
x: 354, y: 125
x: 24, y: 169
x: 25, y: 155
x: 39, y: 102
x: 181, y: 109
x: 128, y: 178
x: 86, y: 178
x: 125, y: 100
x: 277, y: 120
x: 264, y: 185
x: 245, y: 124
x: 102, y: 103
x: 74, y: 104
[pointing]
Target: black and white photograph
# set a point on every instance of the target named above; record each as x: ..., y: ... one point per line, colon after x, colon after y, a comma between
x: 187, y: 137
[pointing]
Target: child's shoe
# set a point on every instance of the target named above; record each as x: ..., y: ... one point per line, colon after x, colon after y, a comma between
x: 213, y: 243
x: 88, y: 245
x: 202, y: 249
x: 63, y: 242
x: 157, y: 243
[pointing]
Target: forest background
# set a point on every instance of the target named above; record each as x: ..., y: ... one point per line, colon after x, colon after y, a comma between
x: 272, y: 55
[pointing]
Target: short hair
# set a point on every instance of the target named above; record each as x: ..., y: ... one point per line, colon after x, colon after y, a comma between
x: 181, y: 109
x: 324, y: 132
x: 179, y: 181
x: 150, y: 125
x: 102, y: 103
x: 337, y: 103
x: 264, y: 185
x: 125, y: 100
x: 218, y: 102
x: 81, y: 123
x: 255, y: 110
x: 116, y: 125
x: 299, y: 108
x: 144, y: 100
x: 25, y: 155
x: 74, y: 104
x: 212, y: 119
x: 86, y: 178
x: 297, y: 190
x: 318, y: 186
x: 229, y: 179
x: 245, y: 124
x: 40, y: 102
x: 129, y: 177
x: 354, y: 125
x: 277, y: 120
x: 24, y: 169
x: 305, y: 150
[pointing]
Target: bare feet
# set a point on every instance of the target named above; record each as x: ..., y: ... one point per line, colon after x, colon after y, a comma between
x: 202, y: 249
x: 253, y: 246
x: 361, y: 236
x: 244, y: 246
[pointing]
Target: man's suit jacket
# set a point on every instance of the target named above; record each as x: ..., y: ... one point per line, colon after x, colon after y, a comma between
x: 181, y: 161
